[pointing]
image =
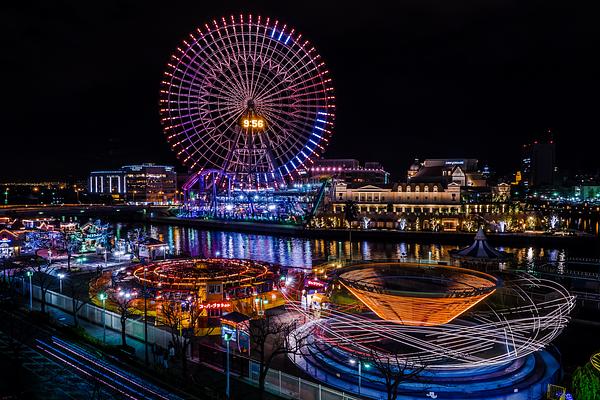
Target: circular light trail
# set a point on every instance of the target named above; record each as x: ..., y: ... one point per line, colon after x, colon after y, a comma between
x: 247, y: 95
x: 595, y: 361
x: 492, y: 334
x: 189, y: 274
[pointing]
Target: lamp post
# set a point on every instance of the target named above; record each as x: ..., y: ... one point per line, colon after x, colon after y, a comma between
x: 145, y: 319
x: 227, y: 338
x: 103, y: 298
x: 60, y: 278
x: 30, y: 274
x: 353, y: 361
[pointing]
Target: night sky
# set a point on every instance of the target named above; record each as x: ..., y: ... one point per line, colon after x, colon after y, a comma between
x: 413, y: 79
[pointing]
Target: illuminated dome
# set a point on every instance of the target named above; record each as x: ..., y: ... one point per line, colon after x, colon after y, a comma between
x: 416, y: 294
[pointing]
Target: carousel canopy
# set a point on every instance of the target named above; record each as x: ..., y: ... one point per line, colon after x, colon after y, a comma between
x: 480, y: 249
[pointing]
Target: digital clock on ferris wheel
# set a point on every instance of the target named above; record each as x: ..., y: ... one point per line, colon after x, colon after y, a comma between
x: 256, y: 123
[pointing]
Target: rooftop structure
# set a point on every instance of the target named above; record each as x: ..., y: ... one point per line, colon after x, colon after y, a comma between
x: 349, y: 170
x: 462, y: 171
x: 480, y: 251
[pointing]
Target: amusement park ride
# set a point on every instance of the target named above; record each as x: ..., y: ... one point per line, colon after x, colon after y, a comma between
x: 247, y: 104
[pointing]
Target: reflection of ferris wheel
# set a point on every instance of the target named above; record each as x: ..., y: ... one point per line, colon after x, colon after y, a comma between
x: 249, y: 97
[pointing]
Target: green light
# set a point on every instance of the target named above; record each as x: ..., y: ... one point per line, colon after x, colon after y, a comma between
x: 102, y: 296
x: 228, y: 337
x: 367, y: 365
x: 29, y: 273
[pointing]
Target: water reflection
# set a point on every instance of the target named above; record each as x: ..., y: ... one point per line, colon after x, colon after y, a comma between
x: 302, y: 253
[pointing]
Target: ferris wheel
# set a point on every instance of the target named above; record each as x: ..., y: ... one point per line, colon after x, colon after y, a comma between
x: 247, y: 96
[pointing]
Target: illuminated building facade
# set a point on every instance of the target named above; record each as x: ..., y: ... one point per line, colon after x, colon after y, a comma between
x: 399, y: 198
x: 138, y: 183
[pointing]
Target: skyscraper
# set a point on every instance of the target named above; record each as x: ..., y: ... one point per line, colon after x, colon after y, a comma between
x: 538, y: 162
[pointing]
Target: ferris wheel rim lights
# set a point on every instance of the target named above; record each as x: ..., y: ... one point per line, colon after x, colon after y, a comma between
x: 250, y: 66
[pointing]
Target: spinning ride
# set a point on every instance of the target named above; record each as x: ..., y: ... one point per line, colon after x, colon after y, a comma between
x: 472, y: 333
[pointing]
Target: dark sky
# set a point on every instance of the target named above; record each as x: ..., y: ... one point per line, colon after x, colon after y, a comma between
x: 413, y: 78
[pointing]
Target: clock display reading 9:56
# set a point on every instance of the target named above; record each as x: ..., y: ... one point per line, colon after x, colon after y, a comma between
x: 253, y: 123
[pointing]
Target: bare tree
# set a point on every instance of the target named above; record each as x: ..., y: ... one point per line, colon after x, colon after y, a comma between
x: 124, y: 304
x: 394, y: 369
x: 272, y: 337
x: 78, y: 290
x: 71, y: 244
x: 174, y: 318
x: 42, y: 276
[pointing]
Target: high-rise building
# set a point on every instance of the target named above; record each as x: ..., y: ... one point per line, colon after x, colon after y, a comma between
x: 538, y: 163
x: 144, y: 183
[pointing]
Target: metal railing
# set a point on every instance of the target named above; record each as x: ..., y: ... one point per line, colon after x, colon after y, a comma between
x: 295, y: 387
x: 94, y: 314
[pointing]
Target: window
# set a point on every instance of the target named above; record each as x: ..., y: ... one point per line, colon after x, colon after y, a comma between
x: 213, y: 288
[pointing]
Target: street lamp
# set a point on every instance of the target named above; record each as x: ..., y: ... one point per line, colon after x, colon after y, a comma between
x: 60, y: 278
x: 353, y: 361
x: 30, y: 274
x: 103, y: 297
x: 145, y: 318
x: 227, y: 337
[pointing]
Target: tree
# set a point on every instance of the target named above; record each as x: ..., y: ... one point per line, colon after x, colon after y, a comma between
x: 78, y: 290
x: 586, y: 383
x: 136, y: 237
x: 42, y: 276
x: 272, y: 337
x: 394, y: 369
x: 71, y: 244
x: 351, y: 215
x: 174, y: 317
x: 124, y: 302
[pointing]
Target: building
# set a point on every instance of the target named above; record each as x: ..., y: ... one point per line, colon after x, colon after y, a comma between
x: 349, y: 170
x: 137, y: 183
x: 391, y: 201
x: 462, y: 171
x: 538, y: 163
x: 397, y: 198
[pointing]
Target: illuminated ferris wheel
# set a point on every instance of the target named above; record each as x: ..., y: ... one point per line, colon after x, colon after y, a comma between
x: 247, y: 96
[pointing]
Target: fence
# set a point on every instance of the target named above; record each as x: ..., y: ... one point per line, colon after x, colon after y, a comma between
x: 94, y: 314
x: 296, y: 387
